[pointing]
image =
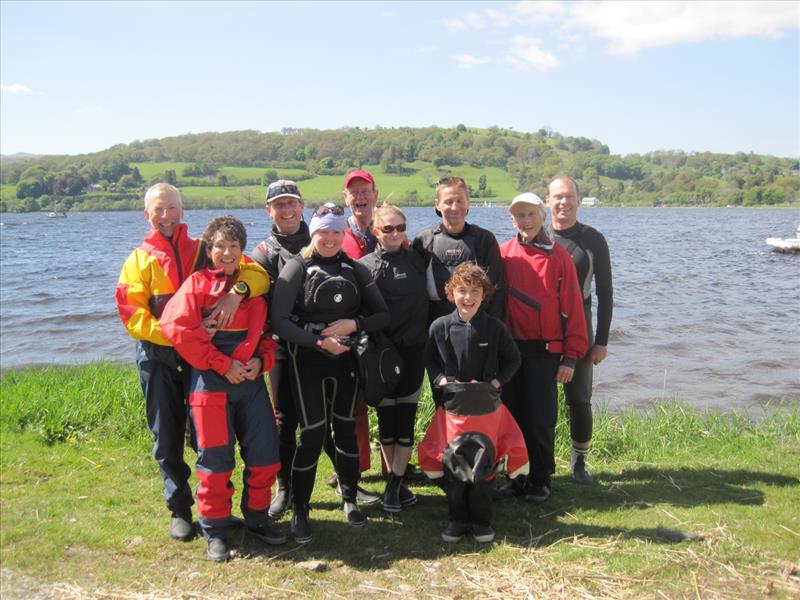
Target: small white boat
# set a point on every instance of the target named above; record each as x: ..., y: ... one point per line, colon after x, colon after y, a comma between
x: 57, y: 214
x: 786, y: 244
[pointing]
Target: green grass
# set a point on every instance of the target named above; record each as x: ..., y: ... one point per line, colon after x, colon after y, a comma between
x: 687, y: 504
x: 149, y: 170
x: 8, y: 191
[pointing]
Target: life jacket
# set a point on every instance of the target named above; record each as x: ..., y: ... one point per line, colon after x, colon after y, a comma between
x: 470, y: 434
x: 446, y: 253
x: 330, y: 290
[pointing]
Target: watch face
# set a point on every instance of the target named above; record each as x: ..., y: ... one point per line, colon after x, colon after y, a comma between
x: 240, y: 288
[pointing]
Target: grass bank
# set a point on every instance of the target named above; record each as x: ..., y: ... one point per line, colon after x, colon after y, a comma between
x: 686, y: 505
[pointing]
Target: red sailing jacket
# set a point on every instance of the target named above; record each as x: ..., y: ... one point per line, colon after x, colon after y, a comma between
x: 471, y: 417
x: 543, y: 300
x: 182, y: 319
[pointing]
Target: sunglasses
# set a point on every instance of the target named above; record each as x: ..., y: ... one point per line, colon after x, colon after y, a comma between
x: 325, y: 209
x: 282, y: 190
x: 392, y: 228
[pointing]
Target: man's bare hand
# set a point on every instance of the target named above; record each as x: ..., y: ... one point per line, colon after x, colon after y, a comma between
x: 226, y: 308
x: 564, y: 374
x: 598, y: 354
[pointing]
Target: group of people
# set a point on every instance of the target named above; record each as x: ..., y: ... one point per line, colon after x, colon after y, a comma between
x: 496, y: 327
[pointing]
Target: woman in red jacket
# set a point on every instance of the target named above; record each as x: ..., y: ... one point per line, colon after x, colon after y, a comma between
x: 544, y: 313
x: 228, y: 397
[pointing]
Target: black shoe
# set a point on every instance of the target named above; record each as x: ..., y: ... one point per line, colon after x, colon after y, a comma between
x: 414, y: 473
x: 579, y: 472
x: 454, y: 532
x: 483, y: 534
x: 301, y: 525
x: 268, y: 534
x: 355, y: 518
x: 407, y: 497
x: 234, y: 521
x: 181, y: 527
x: 279, y: 503
x: 391, y: 496
x: 537, y: 492
x: 217, y: 550
x: 363, y: 497
x: 512, y: 489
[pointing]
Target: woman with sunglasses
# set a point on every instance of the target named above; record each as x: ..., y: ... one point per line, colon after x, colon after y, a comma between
x: 322, y: 297
x: 400, y: 275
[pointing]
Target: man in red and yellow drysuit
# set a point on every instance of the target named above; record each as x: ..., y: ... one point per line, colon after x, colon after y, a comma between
x: 150, y: 276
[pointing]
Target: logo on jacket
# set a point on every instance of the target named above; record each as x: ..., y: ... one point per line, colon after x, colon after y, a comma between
x: 398, y: 274
x: 337, y: 298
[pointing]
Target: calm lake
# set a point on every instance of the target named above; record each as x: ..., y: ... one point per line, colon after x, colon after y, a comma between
x: 704, y: 310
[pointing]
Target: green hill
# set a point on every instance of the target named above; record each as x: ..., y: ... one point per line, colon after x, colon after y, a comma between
x: 231, y: 169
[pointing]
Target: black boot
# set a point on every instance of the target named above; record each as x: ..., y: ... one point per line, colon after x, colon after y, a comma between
x: 301, y: 525
x: 280, y: 502
x: 391, y: 496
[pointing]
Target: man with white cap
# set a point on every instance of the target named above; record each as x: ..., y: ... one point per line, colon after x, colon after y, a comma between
x: 589, y: 252
x: 544, y: 313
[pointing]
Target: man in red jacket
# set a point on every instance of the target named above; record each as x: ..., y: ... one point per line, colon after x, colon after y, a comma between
x: 544, y: 314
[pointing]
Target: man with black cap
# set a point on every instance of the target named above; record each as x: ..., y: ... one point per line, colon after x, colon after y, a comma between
x: 289, y: 235
x: 454, y: 241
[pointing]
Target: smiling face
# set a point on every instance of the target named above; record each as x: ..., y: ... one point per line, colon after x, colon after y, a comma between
x: 224, y: 253
x: 528, y: 220
x: 393, y: 240
x: 327, y: 242
x: 360, y: 197
x: 467, y: 299
x: 453, y: 203
x: 287, y: 213
x: 563, y: 200
x: 164, y: 211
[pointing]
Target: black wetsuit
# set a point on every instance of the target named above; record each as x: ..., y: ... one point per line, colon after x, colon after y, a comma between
x: 589, y: 252
x: 445, y: 251
x: 309, y: 295
x: 272, y: 254
x: 400, y: 276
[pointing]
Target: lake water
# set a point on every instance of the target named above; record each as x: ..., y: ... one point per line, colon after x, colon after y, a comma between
x: 704, y: 310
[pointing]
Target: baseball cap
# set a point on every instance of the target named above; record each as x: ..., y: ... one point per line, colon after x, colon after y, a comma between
x: 359, y: 174
x: 526, y: 198
x: 281, y: 188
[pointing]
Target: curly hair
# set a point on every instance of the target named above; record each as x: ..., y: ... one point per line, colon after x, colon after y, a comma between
x: 232, y: 229
x: 468, y: 274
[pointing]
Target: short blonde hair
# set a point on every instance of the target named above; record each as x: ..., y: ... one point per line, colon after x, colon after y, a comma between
x: 386, y: 210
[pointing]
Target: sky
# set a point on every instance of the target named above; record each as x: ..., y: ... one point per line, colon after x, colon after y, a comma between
x: 80, y: 77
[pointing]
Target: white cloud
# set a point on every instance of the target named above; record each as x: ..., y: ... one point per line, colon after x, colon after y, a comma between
x: 15, y: 88
x: 628, y: 27
x: 526, y: 53
x: 467, y: 61
x: 632, y: 26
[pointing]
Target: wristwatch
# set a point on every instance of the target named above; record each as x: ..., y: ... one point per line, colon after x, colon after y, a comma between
x: 242, y: 289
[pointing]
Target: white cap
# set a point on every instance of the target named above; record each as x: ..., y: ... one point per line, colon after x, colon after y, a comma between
x: 526, y: 198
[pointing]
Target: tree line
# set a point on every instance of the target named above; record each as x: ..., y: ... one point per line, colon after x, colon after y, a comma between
x: 659, y: 178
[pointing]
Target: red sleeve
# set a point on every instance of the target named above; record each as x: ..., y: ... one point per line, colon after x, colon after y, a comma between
x: 256, y: 319
x: 576, y: 341
x: 181, y: 323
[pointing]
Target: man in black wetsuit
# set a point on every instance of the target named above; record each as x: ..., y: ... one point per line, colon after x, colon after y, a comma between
x: 289, y: 235
x: 589, y: 252
x: 454, y: 241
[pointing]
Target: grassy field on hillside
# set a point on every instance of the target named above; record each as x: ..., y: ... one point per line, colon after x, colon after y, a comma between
x: 686, y: 505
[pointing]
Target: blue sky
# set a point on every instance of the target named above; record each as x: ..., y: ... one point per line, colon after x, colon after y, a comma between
x: 717, y: 76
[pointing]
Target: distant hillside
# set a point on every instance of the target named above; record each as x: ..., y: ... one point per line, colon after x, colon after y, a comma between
x: 230, y: 169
